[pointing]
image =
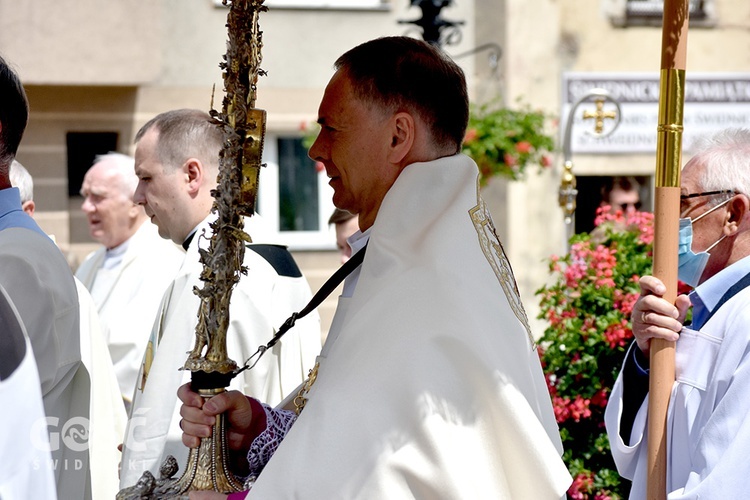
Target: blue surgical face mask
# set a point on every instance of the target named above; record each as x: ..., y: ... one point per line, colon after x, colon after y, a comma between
x: 690, y: 265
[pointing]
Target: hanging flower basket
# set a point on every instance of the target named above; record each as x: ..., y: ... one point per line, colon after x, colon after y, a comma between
x: 504, y: 141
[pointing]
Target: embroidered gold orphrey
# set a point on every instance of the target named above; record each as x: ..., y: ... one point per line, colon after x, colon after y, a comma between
x: 301, y: 399
x: 493, y: 251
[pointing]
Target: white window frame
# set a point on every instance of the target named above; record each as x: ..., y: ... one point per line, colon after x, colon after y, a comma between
x: 618, y: 13
x: 268, y: 205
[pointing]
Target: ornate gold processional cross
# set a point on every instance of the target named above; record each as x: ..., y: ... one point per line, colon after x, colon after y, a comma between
x: 239, y: 165
x: 235, y: 195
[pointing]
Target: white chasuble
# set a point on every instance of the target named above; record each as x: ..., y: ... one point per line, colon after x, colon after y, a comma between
x: 429, y: 386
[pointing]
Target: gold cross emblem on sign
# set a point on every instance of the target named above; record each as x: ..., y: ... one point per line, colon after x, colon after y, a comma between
x: 599, y: 115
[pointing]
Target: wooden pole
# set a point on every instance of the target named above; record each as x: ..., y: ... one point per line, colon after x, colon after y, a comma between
x: 666, y: 229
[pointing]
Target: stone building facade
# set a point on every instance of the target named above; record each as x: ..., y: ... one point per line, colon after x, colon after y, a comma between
x: 96, y: 70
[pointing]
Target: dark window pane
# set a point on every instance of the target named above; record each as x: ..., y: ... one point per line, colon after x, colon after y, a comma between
x: 298, y: 187
x: 591, y: 189
x: 83, y: 147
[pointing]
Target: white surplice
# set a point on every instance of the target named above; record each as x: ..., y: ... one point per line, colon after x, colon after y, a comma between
x: 127, y: 296
x: 708, y: 420
x: 429, y: 385
x: 260, y: 303
x: 37, y: 278
x: 24, y: 449
x: 108, y: 418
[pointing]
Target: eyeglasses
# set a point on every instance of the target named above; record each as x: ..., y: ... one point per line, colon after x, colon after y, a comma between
x: 685, y: 207
x: 625, y: 206
x: 707, y: 193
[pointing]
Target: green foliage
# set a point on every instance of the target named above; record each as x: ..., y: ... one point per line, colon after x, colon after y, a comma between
x: 504, y: 141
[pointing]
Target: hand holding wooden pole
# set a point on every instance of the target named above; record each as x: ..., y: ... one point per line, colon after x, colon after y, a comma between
x: 666, y: 230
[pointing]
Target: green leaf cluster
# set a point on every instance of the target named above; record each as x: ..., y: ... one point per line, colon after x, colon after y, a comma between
x: 505, y: 141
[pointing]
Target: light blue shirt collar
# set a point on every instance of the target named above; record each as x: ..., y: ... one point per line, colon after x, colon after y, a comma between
x: 707, y: 295
x: 11, y: 213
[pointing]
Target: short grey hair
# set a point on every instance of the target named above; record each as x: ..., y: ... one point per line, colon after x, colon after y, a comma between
x: 21, y: 178
x: 726, y: 158
x: 125, y: 166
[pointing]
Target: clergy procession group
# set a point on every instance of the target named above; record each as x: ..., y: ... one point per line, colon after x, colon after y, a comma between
x: 428, y: 384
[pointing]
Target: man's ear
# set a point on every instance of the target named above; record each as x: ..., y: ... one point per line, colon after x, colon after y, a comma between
x: 29, y: 207
x: 403, y: 132
x: 737, y: 210
x: 135, y: 211
x: 194, y: 171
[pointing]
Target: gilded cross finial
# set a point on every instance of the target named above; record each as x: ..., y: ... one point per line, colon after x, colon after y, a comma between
x: 599, y: 115
x: 568, y: 192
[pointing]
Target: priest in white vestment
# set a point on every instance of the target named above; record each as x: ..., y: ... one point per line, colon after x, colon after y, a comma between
x: 429, y: 384
x: 708, y: 421
x: 443, y: 396
x: 129, y: 273
x: 272, y: 289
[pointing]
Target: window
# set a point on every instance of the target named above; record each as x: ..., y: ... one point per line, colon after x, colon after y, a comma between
x: 591, y: 190
x: 82, y: 148
x: 649, y: 12
x: 654, y: 8
x: 298, y: 188
x: 294, y: 198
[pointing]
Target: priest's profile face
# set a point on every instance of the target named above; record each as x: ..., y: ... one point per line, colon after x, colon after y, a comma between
x: 353, y: 145
x: 158, y: 189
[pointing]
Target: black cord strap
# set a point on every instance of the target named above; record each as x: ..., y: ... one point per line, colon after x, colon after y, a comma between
x: 324, y: 291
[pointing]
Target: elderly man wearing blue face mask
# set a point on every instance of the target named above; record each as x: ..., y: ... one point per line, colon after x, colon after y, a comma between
x: 708, y: 428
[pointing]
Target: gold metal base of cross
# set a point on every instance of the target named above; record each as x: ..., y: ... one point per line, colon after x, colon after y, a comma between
x: 207, y: 467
